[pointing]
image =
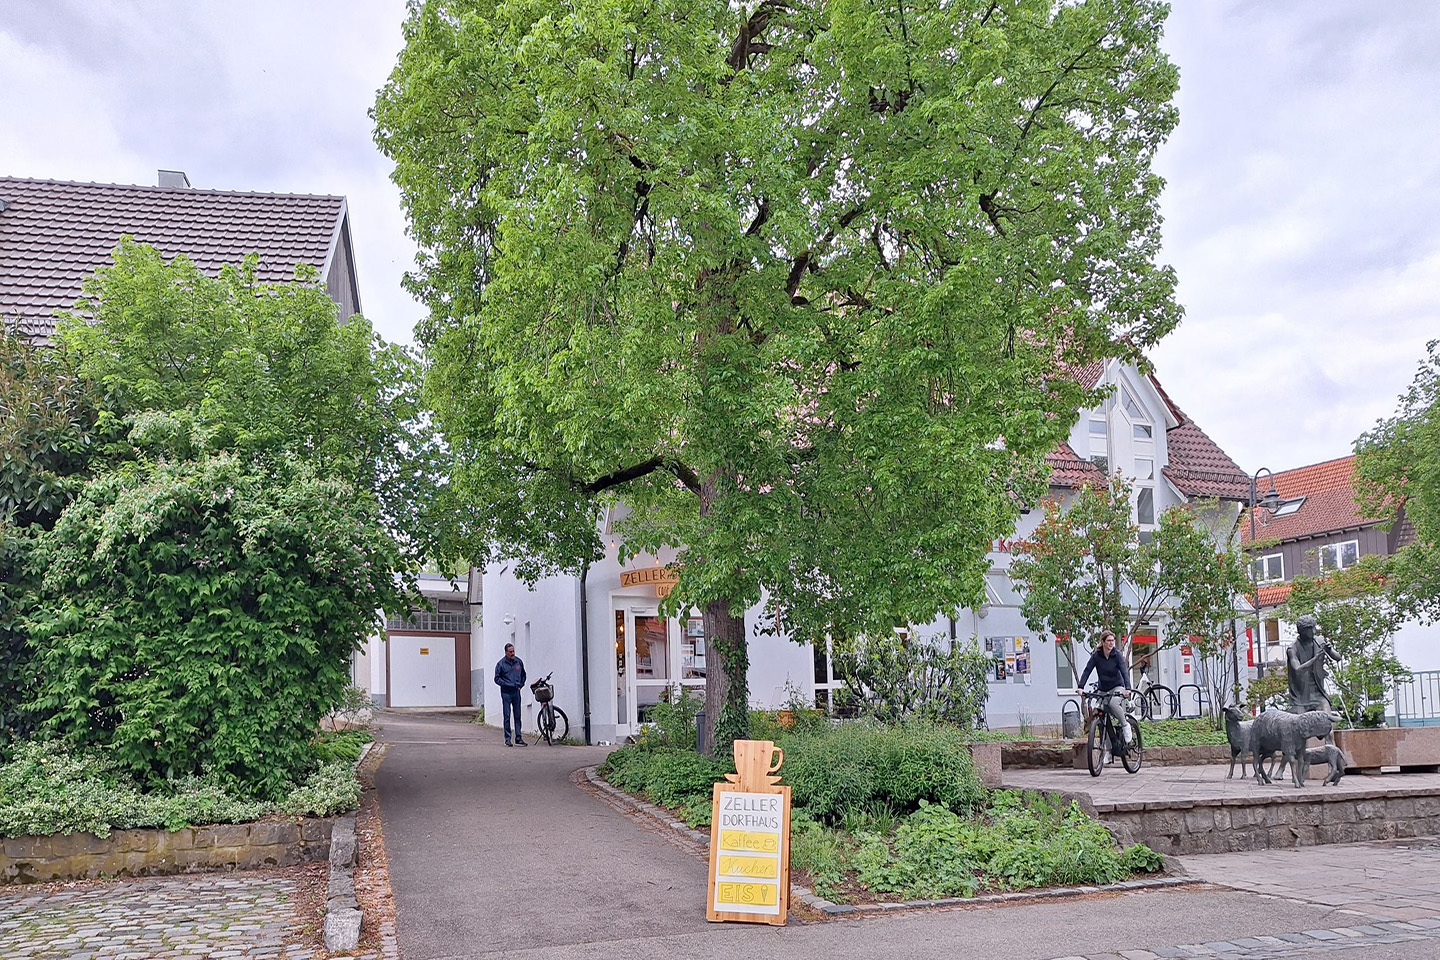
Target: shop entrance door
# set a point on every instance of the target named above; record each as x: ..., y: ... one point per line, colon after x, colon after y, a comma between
x: 654, y: 654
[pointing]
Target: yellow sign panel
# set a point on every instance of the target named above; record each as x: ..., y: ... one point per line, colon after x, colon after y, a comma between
x: 764, y: 868
x: 748, y: 894
x: 752, y: 842
x: 424, y: 651
x: 663, y: 579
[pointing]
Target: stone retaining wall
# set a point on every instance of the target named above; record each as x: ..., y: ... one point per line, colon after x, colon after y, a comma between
x: 1258, y: 823
x: 266, y: 843
x: 1030, y: 755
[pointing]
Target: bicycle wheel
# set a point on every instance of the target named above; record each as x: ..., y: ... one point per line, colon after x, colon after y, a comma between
x: 559, y: 724
x: 1167, y: 704
x: 1134, y: 753
x: 546, y: 721
x: 1095, y: 745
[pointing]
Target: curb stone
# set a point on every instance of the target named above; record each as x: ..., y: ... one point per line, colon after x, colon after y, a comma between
x: 342, y: 910
x: 829, y: 909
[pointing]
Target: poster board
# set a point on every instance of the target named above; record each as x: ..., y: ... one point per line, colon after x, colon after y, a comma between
x: 749, y: 875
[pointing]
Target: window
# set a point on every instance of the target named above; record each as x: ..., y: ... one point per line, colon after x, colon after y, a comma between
x: 1339, y: 556
x: 1144, y: 468
x: 1145, y: 506
x: 1066, y: 676
x: 1131, y: 407
x: 1143, y: 431
x: 1268, y: 569
x: 1101, y: 461
x: 1097, y: 428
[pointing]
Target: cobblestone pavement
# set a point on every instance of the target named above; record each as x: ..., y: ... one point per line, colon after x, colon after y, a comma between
x: 1294, y: 945
x: 1200, y: 782
x: 1386, y: 880
x: 225, y: 917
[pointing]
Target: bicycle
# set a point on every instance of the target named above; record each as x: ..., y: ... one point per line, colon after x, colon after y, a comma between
x: 554, y: 725
x: 1103, y: 739
x: 1157, y: 701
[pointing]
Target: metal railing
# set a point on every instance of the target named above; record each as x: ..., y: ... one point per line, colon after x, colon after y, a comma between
x: 1417, y: 700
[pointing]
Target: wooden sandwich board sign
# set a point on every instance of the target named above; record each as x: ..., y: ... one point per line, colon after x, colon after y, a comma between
x: 750, y: 839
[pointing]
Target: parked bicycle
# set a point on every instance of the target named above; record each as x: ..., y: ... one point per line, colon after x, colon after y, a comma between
x: 554, y: 725
x: 1157, y: 701
x: 1104, y: 739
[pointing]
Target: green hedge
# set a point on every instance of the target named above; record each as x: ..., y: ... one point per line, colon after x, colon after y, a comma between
x: 47, y: 789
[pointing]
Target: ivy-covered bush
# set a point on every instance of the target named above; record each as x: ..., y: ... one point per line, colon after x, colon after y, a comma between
x: 197, y: 616
x: 930, y: 679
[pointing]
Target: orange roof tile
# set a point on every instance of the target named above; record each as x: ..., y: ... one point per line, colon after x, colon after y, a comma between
x: 1329, y: 492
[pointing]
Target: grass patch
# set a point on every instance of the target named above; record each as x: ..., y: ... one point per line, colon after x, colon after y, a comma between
x: 1195, y: 732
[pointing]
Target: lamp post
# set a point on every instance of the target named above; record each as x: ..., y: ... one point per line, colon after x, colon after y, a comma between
x: 1270, y: 501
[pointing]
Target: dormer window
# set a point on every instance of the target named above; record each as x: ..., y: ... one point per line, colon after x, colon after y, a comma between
x: 1143, y: 431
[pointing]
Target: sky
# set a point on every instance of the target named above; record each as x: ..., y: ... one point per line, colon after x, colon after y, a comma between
x: 1302, y: 207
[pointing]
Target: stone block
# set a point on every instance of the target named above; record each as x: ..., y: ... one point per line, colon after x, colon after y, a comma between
x: 1428, y: 806
x: 1165, y: 823
x: 1222, y: 818
x: 231, y: 834
x: 1306, y: 814
x: 26, y: 848
x: 1281, y: 837
x: 316, y: 828
x: 342, y: 885
x: 1400, y: 808
x: 342, y: 929
x: 1339, y: 812
x: 1338, y: 833
x: 1201, y: 820
x: 268, y: 832
x: 202, y: 838
x: 1370, y: 809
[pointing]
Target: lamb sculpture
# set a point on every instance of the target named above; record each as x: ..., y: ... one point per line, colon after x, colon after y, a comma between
x: 1237, y: 731
x: 1287, y: 732
x: 1326, y: 753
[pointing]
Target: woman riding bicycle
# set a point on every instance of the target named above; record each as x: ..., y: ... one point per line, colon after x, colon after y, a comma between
x: 1112, y: 677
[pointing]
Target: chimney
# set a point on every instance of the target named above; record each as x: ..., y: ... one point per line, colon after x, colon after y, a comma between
x: 174, y: 178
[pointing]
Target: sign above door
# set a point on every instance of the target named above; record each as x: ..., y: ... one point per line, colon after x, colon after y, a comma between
x: 662, y: 578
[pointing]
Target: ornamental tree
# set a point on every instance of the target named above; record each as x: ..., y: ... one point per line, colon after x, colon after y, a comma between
x: 1398, y: 466
x: 802, y: 283
x: 1086, y: 569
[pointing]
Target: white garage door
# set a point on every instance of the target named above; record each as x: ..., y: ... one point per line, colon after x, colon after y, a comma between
x: 422, y: 671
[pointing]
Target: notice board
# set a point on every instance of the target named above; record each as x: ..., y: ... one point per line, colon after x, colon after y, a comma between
x: 750, y: 839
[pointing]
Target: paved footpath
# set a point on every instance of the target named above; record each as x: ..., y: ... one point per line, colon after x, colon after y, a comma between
x: 496, y: 853
x: 235, y: 916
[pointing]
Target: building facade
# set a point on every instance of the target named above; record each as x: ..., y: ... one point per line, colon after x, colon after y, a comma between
x: 613, y: 654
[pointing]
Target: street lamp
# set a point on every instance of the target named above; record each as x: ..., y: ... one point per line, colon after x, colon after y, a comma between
x: 1279, y: 506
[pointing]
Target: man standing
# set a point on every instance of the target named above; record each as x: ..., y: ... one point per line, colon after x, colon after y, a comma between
x: 510, y: 676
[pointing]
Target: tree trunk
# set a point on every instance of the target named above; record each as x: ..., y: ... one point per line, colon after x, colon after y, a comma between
x: 727, y: 664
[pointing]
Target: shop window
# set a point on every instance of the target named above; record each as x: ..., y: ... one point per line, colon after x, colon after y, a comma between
x: 692, y: 650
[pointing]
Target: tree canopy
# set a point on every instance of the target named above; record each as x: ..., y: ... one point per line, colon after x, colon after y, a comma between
x: 1398, y: 466
x: 804, y: 283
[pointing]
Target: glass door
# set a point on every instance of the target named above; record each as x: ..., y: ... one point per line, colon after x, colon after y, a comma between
x: 654, y: 648
x: 653, y: 655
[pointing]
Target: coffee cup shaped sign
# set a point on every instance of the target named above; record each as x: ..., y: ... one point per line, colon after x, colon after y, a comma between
x: 750, y: 839
x: 755, y: 762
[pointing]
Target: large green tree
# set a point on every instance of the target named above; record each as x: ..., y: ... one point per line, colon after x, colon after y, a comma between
x: 1398, y: 466
x: 801, y: 282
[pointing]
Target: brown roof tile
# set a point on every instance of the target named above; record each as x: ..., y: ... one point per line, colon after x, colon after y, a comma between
x: 1068, y: 469
x: 1197, y: 466
x: 54, y: 234
x: 1329, y: 492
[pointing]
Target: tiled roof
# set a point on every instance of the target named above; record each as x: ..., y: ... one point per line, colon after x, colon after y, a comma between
x: 55, y: 234
x: 1329, y: 492
x: 1197, y: 466
x: 1271, y: 596
x: 1068, y: 469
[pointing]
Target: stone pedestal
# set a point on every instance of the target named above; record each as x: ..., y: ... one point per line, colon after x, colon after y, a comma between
x: 1403, y: 749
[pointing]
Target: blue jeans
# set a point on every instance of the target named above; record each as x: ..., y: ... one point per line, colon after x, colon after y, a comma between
x: 510, y: 701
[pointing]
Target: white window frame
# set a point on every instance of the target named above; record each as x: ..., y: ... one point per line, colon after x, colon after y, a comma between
x: 1154, y: 509
x: 1150, y: 460
x: 1264, y: 564
x: 1339, y: 549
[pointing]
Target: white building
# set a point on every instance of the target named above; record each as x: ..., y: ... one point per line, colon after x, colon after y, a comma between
x: 612, y: 654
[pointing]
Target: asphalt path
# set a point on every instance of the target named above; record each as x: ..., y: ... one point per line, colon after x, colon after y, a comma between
x: 496, y: 852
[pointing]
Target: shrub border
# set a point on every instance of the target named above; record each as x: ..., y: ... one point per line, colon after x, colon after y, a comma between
x: 699, y: 841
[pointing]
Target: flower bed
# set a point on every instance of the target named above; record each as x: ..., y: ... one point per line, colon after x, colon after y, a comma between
x: 885, y: 812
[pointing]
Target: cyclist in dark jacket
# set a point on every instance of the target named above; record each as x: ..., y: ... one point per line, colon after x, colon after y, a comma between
x: 1112, y: 675
x: 510, y: 677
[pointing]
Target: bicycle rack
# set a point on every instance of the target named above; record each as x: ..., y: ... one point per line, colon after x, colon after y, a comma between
x: 1200, y: 700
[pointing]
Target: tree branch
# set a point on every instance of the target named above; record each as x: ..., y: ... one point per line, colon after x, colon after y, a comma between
x: 669, y: 464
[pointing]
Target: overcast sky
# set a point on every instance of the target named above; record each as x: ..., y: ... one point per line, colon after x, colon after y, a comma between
x: 1302, y: 212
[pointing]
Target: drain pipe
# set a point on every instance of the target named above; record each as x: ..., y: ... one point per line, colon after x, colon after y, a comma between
x: 585, y: 646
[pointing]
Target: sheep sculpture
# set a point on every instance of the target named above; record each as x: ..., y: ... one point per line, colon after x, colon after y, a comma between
x: 1237, y: 731
x: 1326, y: 753
x: 1287, y: 733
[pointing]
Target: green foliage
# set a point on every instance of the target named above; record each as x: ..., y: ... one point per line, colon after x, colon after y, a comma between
x: 48, y: 789
x: 333, y: 746
x: 1141, y: 859
x: 1085, y: 569
x: 783, y: 295
x: 197, y: 617
x: 1271, y: 691
x: 263, y: 370
x: 817, y: 850
x: 666, y: 775
x: 1398, y: 468
x: 929, y: 679
x: 848, y: 768
x: 1357, y: 614
x: 1194, y: 732
x: 674, y: 717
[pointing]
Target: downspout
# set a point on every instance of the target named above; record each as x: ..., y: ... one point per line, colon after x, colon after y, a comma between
x: 585, y: 646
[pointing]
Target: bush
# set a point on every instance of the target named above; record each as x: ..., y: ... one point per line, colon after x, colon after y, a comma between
x: 929, y: 679
x: 835, y: 771
x: 334, y: 746
x: 672, y: 778
x: 197, y: 617
x: 674, y: 718
x: 46, y: 789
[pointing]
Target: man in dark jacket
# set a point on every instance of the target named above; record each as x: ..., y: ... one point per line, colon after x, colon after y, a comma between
x: 510, y: 676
